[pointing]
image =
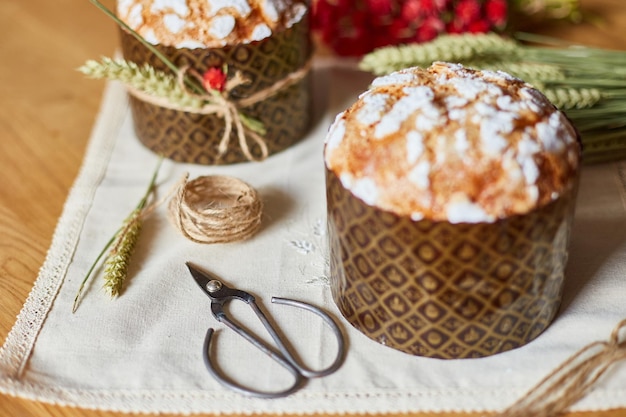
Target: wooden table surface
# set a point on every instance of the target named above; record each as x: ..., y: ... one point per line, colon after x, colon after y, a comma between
x: 47, y: 110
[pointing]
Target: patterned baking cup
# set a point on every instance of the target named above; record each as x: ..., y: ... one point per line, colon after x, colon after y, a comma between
x: 194, y: 137
x: 443, y: 290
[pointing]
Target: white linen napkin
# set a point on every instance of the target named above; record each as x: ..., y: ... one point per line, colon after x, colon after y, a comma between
x: 143, y: 351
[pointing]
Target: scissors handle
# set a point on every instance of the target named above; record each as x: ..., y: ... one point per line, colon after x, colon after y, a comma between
x: 283, y: 357
x: 333, y: 326
x: 298, y: 377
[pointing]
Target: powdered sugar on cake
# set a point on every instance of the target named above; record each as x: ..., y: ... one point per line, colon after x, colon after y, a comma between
x: 453, y: 144
x: 209, y: 23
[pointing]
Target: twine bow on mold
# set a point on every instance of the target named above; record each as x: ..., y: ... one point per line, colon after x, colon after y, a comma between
x: 217, y: 103
x: 220, y: 104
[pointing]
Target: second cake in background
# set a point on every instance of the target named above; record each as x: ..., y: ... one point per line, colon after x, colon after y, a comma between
x: 263, y: 47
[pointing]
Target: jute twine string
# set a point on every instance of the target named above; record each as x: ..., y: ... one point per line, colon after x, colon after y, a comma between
x: 571, y: 380
x: 220, y: 105
x: 215, y: 209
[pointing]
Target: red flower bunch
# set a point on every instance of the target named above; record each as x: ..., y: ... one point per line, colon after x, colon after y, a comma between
x: 356, y: 27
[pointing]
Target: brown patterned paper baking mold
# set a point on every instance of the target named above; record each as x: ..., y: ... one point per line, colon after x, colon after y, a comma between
x: 444, y: 290
x: 193, y: 137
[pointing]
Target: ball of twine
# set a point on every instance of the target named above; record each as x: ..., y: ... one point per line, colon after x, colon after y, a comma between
x: 215, y: 209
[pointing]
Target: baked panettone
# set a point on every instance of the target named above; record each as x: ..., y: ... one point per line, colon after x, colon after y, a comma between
x: 264, y: 46
x: 208, y: 23
x: 455, y: 144
x: 450, y: 197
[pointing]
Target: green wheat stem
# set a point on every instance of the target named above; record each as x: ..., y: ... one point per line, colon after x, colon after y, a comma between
x: 143, y: 78
x: 450, y: 48
x: 91, y: 269
x: 118, y: 260
x: 572, y: 98
x: 118, y: 236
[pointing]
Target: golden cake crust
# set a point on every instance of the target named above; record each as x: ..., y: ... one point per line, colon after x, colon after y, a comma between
x: 208, y: 23
x: 453, y: 144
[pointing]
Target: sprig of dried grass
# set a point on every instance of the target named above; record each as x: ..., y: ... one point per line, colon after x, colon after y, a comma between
x: 116, y: 264
x: 144, y: 78
x: 120, y: 248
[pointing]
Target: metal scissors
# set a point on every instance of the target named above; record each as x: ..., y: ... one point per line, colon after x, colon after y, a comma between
x: 220, y: 294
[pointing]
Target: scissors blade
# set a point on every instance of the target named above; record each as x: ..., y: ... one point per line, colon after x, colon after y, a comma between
x: 215, y: 289
x: 202, y: 278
